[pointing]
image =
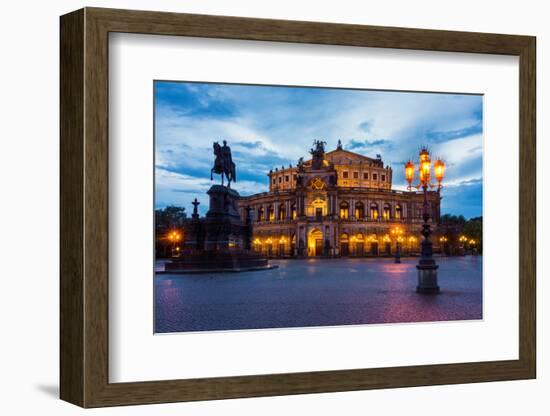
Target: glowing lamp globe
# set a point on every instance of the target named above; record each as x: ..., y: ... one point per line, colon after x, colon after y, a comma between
x: 439, y: 169
x: 409, y: 172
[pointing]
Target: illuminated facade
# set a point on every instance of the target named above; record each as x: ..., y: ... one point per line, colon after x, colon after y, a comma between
x: 339, y: 203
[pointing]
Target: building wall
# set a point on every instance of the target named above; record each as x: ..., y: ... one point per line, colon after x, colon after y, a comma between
x: 337, y: 216
x: 353, y: 170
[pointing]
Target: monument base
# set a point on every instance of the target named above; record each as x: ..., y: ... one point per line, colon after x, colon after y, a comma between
x: 218, y: 262
x: 219, y: 242
x: 427, y: 278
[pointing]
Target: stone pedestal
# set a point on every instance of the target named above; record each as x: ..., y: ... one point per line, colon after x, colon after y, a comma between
x: 427, y: 267
x: 223, y: 227
x: 427, y: 278
x: 223, y: 203
x: 220, y: 241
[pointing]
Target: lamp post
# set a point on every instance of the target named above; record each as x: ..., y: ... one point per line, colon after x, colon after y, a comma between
x: 175, y: 238
x: 472, y: 244
x: 398, y: 233
x: 443, y: 240
x: 427, y: 267
x: 462, y: 240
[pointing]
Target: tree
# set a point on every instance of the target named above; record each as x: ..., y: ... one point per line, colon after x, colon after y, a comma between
x: 170, y: 217
x: 474, y: 230
x: 449, y: 219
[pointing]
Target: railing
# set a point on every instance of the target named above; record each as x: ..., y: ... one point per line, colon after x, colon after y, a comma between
x: 352, y: 220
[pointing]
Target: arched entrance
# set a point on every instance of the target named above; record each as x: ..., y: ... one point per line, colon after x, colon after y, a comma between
x: 315, y: 242
x: 359, y: 245
x: 373, y: 239
x: 344, y: 244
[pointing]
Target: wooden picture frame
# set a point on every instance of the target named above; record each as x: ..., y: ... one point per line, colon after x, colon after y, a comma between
x: 84, y: 207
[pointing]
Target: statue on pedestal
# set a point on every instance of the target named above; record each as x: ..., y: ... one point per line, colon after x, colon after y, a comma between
x: 223, y: 165
x: 221, y: 240
x: 318, y: 154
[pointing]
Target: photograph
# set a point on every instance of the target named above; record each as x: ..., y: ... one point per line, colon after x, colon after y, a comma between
x: 298, y: 206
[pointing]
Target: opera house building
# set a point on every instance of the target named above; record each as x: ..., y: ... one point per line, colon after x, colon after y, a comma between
x: 338, y: 203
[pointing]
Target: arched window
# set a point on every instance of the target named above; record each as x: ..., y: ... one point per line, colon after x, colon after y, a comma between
x: 374, y: 211
x: 271, y: 213
x: 344, y: 210
x: 387, y: 212
x: 317, y: 208
x: 398, y: 212
x: 261, y: 214
x: 359, y: 210
x: 282, y: 212
x: 293, y: 211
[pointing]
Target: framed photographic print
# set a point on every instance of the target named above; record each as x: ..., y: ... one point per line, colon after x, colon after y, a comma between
x: 255, y: 207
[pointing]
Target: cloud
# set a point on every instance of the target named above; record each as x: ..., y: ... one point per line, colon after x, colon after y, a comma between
x: 443, y: 136
x: 173, y: 188
x: 366, y: 126
x: 366, y: 144
x: 270, y: 126
x: 464, y: 198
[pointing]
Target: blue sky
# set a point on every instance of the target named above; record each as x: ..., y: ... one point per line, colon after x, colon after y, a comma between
x: 271, y: 126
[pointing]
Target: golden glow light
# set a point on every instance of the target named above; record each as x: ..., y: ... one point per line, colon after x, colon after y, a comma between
x: 409, y: 172
x: 439, y: 169
x: 424, y: 166
x: 174, y: 236
x: 396, y: 231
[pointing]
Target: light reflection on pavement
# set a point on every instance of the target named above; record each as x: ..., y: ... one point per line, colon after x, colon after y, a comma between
x: 317, y: 292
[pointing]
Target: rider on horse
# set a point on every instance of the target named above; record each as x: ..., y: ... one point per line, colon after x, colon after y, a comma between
x: 223, y: 164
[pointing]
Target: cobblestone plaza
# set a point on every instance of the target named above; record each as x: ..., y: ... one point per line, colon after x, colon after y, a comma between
x: 317, y: 292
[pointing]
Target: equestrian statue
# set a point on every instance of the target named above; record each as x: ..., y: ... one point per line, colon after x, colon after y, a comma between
x: 223, y: 165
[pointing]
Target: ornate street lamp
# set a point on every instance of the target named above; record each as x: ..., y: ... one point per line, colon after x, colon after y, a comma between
x: 427, y: 267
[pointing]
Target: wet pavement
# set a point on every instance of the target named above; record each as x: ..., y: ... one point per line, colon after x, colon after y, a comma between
x: 317, y: 292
